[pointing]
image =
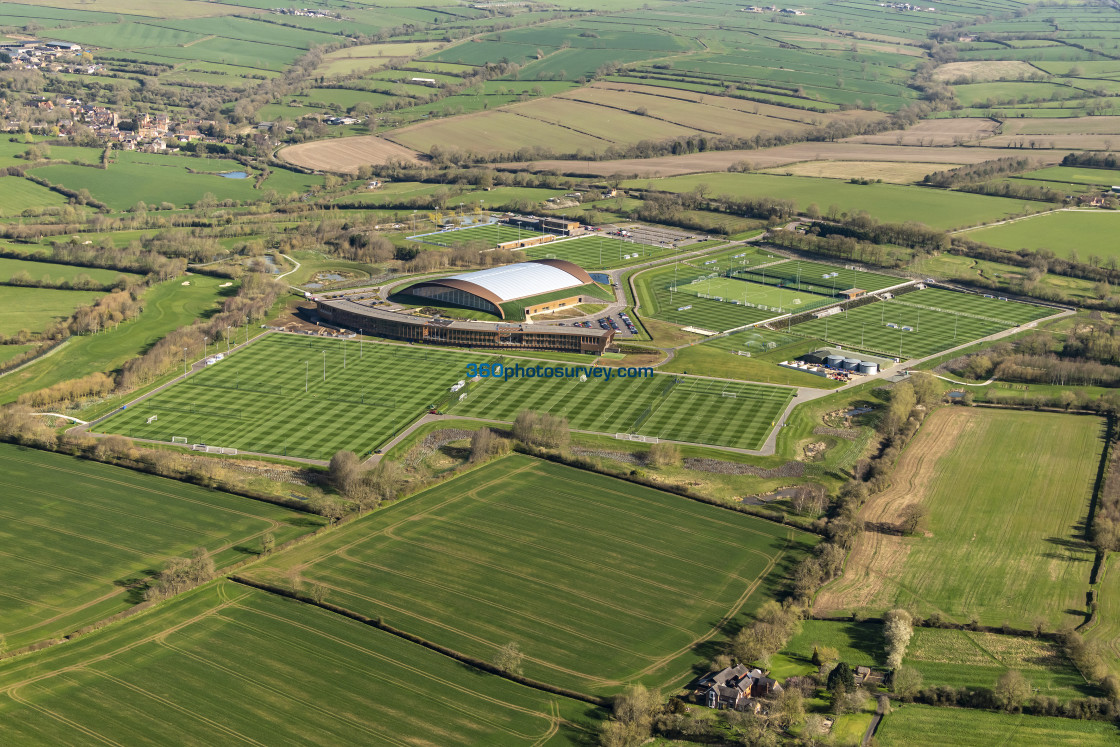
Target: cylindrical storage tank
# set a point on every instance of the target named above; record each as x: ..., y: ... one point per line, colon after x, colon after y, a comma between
x: 851, y: 364
x: 834, y: 361
x: 867, y: 367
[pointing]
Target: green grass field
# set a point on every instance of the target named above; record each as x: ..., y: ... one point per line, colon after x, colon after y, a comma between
x: 37, y: 270
x: 154, y: 178
x: 1007, y: 494
x: 490, y: 234
x: 599, y: 581
x: 914, y: 725
x: 952, y: 658
x: 892, y: 203
x: 601, y: 252
x: 1069, y: 234
x: 106, y: 527
x: 1107, y: 628
x: 810, y: 276
x: 717, y: 413
x: 35, y: 309
x: 370, y: 391
x: 937, y: 320
x: 167, y: 306
x: 227, y: 663
x: 21, y: 194
x: 686, y: 308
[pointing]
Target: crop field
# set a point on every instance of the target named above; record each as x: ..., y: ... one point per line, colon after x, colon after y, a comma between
x: 937, y: 320
x: 1081, y: 234
x: 1007, y: 494
x: 914, y: 724
x: 35, y: 309
x: 106, y: 528
x: 490, y: 234
x: 891, y: 203
x: 888, y: 171
x: 21, y: 194
x: 252, y: 401
x: 490, y: 132
x: 601, y: 252
x: 346, y: 154
x: 167, y: 306
x: 717, y: 413
x: 600, y: 582
x: 228, y: 663
x: 1106, y: 630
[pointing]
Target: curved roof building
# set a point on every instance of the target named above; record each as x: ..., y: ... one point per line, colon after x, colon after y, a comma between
x: 488, y: 289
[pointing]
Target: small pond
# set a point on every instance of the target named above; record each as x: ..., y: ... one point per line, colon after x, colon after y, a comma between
x: 235, y: 175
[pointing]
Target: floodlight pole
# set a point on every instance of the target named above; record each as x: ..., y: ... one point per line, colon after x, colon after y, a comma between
x: 360, y: 334
x: 306, y: 368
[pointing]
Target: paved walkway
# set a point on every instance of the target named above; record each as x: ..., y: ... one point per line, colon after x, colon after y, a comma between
x: 289, y: 272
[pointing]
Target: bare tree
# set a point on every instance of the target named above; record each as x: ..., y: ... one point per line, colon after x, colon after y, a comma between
x: 508, y: 658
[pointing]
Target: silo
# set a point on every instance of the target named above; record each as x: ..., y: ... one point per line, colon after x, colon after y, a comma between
x: 834, y: 361
x: 867, y: 367
x: 851, y: 364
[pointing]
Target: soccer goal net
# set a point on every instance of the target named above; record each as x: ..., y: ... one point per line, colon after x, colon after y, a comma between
x: 178, y: 439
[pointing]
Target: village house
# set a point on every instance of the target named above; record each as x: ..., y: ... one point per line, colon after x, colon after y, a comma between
x: 736, y: 688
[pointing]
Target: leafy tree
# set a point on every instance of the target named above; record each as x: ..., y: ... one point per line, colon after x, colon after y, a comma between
x: 906, y: 682
x: 841, y: 678
x: 1012, y: 690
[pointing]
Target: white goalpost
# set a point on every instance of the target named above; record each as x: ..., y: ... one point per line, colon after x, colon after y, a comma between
x: 178, y: 439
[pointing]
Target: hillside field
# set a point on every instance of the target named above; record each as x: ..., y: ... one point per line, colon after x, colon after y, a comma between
x: 226, y: 663
x: 599, y: 581
x: 35, y: 309
x: 1007, y: 494
x: 107, y: 528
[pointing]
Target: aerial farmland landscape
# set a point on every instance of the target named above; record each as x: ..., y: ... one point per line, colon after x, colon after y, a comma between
x: 603, y: 374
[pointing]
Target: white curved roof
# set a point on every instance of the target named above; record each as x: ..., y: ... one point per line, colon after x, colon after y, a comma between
x: 510, y: 282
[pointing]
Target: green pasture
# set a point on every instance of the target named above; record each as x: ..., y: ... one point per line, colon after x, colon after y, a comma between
x: 1074, y: 175
x: 600, y: 582
x: 35, y: 309
x: 253, y: 401
x: 160, y: 178
x: 106, y: 529
x: 1106, y: 629
x: 56, y: 273
x: 1079, y: 234
x: 951, y: 658
x: 721, y: 357
x: 919, y: 725
x: 891, y: 203
x: 167, y: 306
x: 21, y: 194
x: 226, y: 663
x: 1005, y: 543
x: 8, y: 352
x: 716, y: 413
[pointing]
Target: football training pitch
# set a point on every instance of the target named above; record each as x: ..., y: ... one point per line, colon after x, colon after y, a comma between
x: 229, y: 664
x: 686, y: 293
x: 815, y: 277
x: 106, y: 526
x: 676, y: 408
x: 599, y: 581
x: 490, y: 234
x: 1007, y: 494
x: 601, y: 252
x: 352, y: 395
x: 921, y: 322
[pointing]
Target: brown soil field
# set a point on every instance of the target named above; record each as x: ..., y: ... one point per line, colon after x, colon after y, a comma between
x: 934, y: 132
x: 1063, y: 143
x: 895, y: 172
x: 876, y: 558
x: 770, y: 157
x: 652, y: 93
x: 984, y: 70
x: 346, y: 154
x: 1067, y: 126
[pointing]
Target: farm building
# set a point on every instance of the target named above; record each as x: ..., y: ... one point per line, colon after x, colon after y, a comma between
x: 465, y: 334
x: 538, y: 285
x: 736, y: 688
x: 561, y: 226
